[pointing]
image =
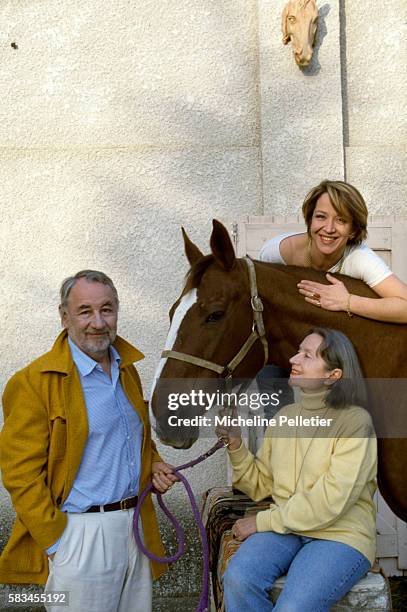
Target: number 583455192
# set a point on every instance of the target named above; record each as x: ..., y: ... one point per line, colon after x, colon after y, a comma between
x: 58, y: 598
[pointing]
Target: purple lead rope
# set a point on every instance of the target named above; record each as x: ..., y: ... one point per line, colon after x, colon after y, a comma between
x: 203, y: 604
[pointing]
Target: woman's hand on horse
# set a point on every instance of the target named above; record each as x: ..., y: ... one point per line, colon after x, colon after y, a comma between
x: 243, y: 528
x: 331, y: 297
x: 231, y: 435
x: 163, y: 476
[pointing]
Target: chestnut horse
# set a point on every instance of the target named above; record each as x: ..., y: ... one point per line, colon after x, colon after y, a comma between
x: 213, y: 318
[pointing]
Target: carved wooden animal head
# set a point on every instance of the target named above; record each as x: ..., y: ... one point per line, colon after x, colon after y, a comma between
x: 299, y: 24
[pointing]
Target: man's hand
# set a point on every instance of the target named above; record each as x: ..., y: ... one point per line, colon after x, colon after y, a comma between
x: 163, y: 476
x: 243, y: 528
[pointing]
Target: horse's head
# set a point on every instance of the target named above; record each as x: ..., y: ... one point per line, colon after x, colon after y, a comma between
x: 299, y: 24
x: 211, y: 321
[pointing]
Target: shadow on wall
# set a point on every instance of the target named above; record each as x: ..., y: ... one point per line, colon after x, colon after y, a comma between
x: 344, y: 75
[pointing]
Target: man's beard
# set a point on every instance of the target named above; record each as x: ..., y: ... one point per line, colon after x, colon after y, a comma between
x: 98, y: 344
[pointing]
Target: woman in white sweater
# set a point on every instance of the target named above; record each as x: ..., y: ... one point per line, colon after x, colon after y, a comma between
x: 336, y: 218
x: 319, y: 464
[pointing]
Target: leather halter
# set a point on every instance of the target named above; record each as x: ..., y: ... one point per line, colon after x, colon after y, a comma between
x: 258, y: 333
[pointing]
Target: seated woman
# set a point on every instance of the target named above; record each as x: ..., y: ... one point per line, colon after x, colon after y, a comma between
x: 321, y: 528
x: 336, y: 218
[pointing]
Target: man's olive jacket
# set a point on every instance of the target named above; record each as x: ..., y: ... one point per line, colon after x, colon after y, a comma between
x: 41, y: 446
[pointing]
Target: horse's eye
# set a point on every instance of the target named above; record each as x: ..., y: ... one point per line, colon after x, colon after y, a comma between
x: 214, y: 316
x: 292, y: 19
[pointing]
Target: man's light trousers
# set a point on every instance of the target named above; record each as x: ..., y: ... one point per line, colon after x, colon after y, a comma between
x: 100, y: 565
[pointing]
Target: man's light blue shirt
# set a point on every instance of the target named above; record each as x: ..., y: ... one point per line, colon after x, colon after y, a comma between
x: 111, y: 461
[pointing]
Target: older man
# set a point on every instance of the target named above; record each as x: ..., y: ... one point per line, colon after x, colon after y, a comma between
x: 75, y: 451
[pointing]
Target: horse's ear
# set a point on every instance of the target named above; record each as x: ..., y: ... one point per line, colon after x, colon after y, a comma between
x: 191, y: 250
x: 221, y: 246
x: 286, y: 36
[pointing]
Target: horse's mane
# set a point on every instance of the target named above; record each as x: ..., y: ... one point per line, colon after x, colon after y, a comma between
x: 285, y: 276
x: 197, y: 271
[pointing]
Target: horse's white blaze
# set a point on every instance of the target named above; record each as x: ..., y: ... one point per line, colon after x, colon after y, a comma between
x: 187, y: 301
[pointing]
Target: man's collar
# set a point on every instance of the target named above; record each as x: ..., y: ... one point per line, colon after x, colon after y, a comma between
x: 85, y: 363
x: 59, y: 358
x: 114, y: 354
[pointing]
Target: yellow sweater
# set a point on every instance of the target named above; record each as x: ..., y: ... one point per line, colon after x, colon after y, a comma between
x: 322, y: 484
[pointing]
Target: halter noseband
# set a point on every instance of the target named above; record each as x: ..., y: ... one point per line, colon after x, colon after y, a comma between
x: 258, y: 333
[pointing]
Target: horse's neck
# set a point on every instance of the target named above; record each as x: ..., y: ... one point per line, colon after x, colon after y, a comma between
x: 283, y: 309
x: 277, y: 286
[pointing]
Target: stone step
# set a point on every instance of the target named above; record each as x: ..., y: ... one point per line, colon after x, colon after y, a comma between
x: 371, y: 593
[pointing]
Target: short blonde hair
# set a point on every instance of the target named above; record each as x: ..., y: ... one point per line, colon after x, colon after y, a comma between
x: 346, y: 200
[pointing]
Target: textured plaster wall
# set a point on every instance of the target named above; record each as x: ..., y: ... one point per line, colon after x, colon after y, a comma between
x: 147, y: 73
x: 116, y: 211
x: 301, y: 135
x: 376, y: 102
x: 118, y: 123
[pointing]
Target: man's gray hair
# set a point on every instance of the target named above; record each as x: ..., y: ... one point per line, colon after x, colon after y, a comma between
x: 92, y: 276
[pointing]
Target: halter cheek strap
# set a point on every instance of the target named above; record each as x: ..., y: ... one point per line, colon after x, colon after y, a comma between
x: 258, y: 333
